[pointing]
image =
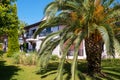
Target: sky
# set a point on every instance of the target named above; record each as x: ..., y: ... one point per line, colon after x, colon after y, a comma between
x: 31, y: 11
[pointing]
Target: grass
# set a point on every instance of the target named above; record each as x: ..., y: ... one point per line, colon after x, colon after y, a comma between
x: 10, y: 71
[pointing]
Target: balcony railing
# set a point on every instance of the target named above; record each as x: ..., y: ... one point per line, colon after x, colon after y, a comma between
x: 43, y: 33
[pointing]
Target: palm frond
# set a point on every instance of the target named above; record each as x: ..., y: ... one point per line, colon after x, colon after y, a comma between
x: 117, y: 47
x: 64, y: 14
x: 80, y: 37
x: 45, y: 55
x: 60, y: 2
x: 64, y: 38
x: 116, y: 6
x: 44, y: 24
x: 107, y: 36
x: 91, y: 29
x: 51, y: 10
x: 117, y: 34
x: 65, y: 51
x: 103, y: 2
x: 86, y: 5
x: 67, y: 33
x: 47, y: 39
x: 72, y: 4
x: 114, y: 13
x: 49, y: 5
x: 108, y: 3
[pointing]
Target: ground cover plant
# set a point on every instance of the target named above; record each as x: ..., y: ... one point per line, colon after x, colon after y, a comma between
x: 25, y: 58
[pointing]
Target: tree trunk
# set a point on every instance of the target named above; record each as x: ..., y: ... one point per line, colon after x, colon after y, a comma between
x: 94, y: 48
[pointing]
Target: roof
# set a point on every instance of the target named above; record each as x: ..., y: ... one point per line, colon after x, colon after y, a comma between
x: 35, y: 24
x: 32, y: 25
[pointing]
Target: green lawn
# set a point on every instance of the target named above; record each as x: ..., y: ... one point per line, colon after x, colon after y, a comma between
x: 10, y: 71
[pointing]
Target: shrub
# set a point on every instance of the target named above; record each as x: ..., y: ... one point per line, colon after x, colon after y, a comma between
x: 25, y: 58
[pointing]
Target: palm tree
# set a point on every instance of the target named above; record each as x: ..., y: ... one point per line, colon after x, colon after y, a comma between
x: 83, y: 19
x: 21, y: 32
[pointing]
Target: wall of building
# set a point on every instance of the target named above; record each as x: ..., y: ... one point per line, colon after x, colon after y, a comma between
x: 56, y: 51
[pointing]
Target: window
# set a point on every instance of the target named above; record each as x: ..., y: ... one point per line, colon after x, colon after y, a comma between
x: 33, y: 31
x: 80, y: 52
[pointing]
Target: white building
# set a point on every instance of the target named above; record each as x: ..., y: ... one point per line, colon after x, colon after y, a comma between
x: 34, y: 44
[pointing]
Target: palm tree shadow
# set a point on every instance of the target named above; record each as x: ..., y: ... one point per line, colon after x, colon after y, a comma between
x: 82, y: 68
x: 112, y: 71
x: 67, y: 70
x: 7, y: 71
x: 52, y: 69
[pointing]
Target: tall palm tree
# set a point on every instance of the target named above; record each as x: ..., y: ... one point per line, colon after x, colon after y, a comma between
x: 83, y: 19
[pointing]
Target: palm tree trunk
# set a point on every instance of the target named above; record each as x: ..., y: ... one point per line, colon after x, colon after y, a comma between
x: 24, y: 43
x: 94, y: 50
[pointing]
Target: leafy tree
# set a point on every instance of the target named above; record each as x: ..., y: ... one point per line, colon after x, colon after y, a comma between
x: 83, y: 19
x: 9, y: 24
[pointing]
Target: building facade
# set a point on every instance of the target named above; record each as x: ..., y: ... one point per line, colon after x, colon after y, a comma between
x: 34, y: 44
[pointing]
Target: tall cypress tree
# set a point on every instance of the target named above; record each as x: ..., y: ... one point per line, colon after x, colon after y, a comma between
x: 13, y: 45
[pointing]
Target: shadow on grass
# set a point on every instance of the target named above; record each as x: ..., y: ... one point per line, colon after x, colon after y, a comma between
x: 110, y: 69
x: 52, y: 69
x: 7, y: 71
x: 113, y: 73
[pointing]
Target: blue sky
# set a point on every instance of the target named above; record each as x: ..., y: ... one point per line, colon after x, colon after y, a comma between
x: 31, y: 11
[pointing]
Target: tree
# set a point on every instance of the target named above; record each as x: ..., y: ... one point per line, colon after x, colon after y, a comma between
x: 21, y: 32
x: 83, y: 19
x: 9, y: 24
x: 13, y: 43
x: 21, y: 29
